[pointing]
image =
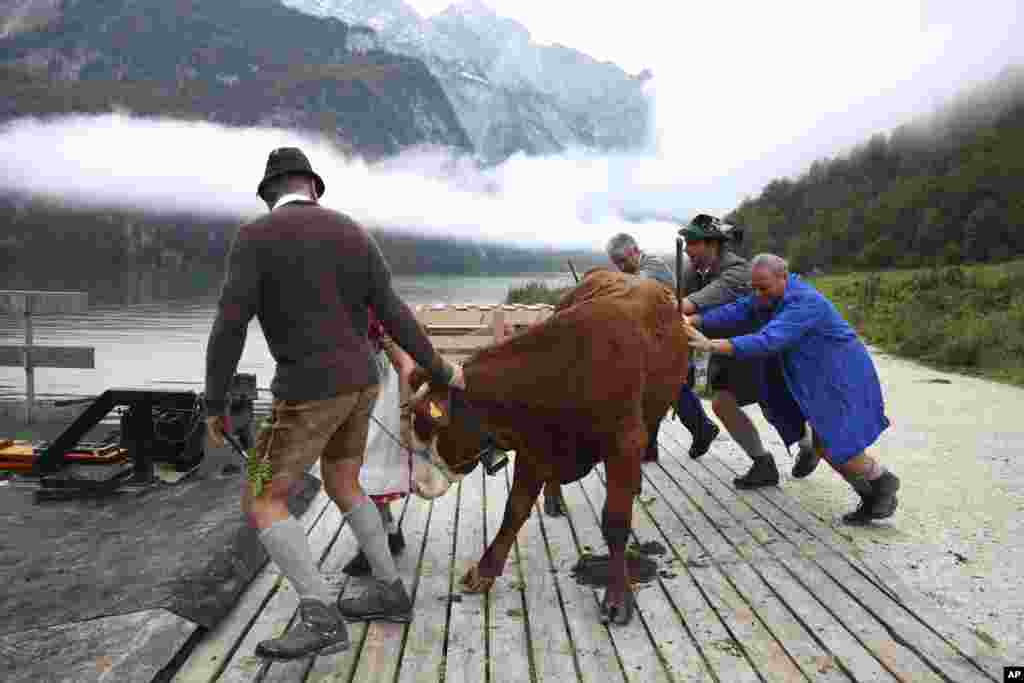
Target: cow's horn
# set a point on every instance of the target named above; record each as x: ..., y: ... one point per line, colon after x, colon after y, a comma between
x: 421, y: 392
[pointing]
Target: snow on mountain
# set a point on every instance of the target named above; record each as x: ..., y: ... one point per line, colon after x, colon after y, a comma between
x: 510, y: 94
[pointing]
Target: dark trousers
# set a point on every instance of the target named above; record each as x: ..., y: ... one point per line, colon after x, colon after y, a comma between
x: 691, y: 412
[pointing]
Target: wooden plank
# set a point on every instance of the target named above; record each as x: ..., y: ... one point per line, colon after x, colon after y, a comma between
x: 465, y: 659
x: 49, y: 356
x: 748, y: 636
x: 456, y: 329
x: 385, y: 642
x: 126, y: 647
x: 783, y: 601
x: 839, y: 620
x: 38, y: 302
x: 666, y: 629
x: 695, y: 611
x: 341, y: 664
x: 796, y: 645
x: 218, y: 646
x: 465, y: 344
x: 553, y: 655
x: 277, y: 613
x: 366, y: 651
x: 887, y: 582
x: 422, y: 656
x: 638, y: 655
x: 508, y: 653
x: 338, y: 666
x: 861, y: 584
x: 595, y: 651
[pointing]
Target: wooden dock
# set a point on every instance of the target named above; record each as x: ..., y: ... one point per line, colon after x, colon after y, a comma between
x: 753, y: 588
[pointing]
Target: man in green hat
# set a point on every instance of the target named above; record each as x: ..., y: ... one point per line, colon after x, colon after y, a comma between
x: 716, y: 276
x: 308, y: 273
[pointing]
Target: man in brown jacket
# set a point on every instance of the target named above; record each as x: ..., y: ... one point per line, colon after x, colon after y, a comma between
x: 308, y: 273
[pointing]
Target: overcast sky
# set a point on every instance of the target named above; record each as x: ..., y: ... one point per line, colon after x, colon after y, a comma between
x: 754, y: 89
x: 744, y: 92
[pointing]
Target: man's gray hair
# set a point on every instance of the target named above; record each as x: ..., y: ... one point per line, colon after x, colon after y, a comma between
x: 618, y: 245
x: 776, y: 265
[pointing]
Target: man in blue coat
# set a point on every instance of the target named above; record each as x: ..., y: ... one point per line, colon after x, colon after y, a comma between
x: 827, y: 370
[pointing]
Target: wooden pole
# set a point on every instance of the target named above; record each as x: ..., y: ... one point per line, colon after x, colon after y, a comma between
x: 30, y: 375
x: 30, y: 304
x: 498, y: 324
x: 679, y: 275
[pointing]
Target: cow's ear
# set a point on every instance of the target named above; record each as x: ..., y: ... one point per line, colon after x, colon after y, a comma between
x: 424, y: 427
x: 430, y: 414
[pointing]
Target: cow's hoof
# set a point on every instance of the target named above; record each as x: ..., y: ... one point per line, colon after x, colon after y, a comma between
x: 475, y: 582
x: 617, y: 612
x: 554, y: 506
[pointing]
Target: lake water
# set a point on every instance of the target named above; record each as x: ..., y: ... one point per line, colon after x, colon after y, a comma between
x: 163, y: 344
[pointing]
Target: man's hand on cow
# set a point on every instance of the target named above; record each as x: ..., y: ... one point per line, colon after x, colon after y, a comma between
x: 457, y: 381
x: 698, y: 340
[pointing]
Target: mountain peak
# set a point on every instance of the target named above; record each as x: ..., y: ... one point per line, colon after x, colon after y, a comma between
x: 471, y: 7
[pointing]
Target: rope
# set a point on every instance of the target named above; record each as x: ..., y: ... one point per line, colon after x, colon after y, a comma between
x: 409, y: 449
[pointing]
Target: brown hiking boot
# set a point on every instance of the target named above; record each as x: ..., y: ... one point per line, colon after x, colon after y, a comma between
x: 320, y: 630
x: 879, y: 504
x: 380, y: 602
x: 762, y: 473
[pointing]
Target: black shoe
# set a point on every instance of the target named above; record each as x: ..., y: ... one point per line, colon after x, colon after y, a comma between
x: 380, y: 601
x: 879, y: 504
x: 321, y: 630
x: 396, y: 543
x: 493, y: 459
x: 700, y: 446
x: 806, y: 462
x: 360, y: 566
x: 554, y: 505
x: 762, y: 473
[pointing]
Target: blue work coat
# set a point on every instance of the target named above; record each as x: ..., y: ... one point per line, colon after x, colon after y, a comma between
x: 828, y: 371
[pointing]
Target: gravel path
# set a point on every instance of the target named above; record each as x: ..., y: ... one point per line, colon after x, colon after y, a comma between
x: 957, y: 443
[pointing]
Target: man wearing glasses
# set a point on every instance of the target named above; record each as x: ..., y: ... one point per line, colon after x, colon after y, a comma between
x: 826, y: 372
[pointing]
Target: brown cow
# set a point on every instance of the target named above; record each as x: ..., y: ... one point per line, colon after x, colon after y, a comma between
x: 585, y: 385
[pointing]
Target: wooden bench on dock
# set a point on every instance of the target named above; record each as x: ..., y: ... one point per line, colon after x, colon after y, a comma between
x: 459, y: 330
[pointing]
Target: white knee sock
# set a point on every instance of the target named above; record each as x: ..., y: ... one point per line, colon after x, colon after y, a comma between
x: 369, y: 531
x: 387, y: 518
x: 287, y: 546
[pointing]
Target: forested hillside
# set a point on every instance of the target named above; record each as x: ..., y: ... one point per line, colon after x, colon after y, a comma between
x: 942, y: 190
x: 125, y: 257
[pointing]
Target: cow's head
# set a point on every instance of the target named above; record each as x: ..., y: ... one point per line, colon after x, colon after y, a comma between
x: 439, y: 427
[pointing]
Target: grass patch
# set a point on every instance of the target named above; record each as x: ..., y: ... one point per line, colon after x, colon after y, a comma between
x: 536, y: 293
x: 967, y: 319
